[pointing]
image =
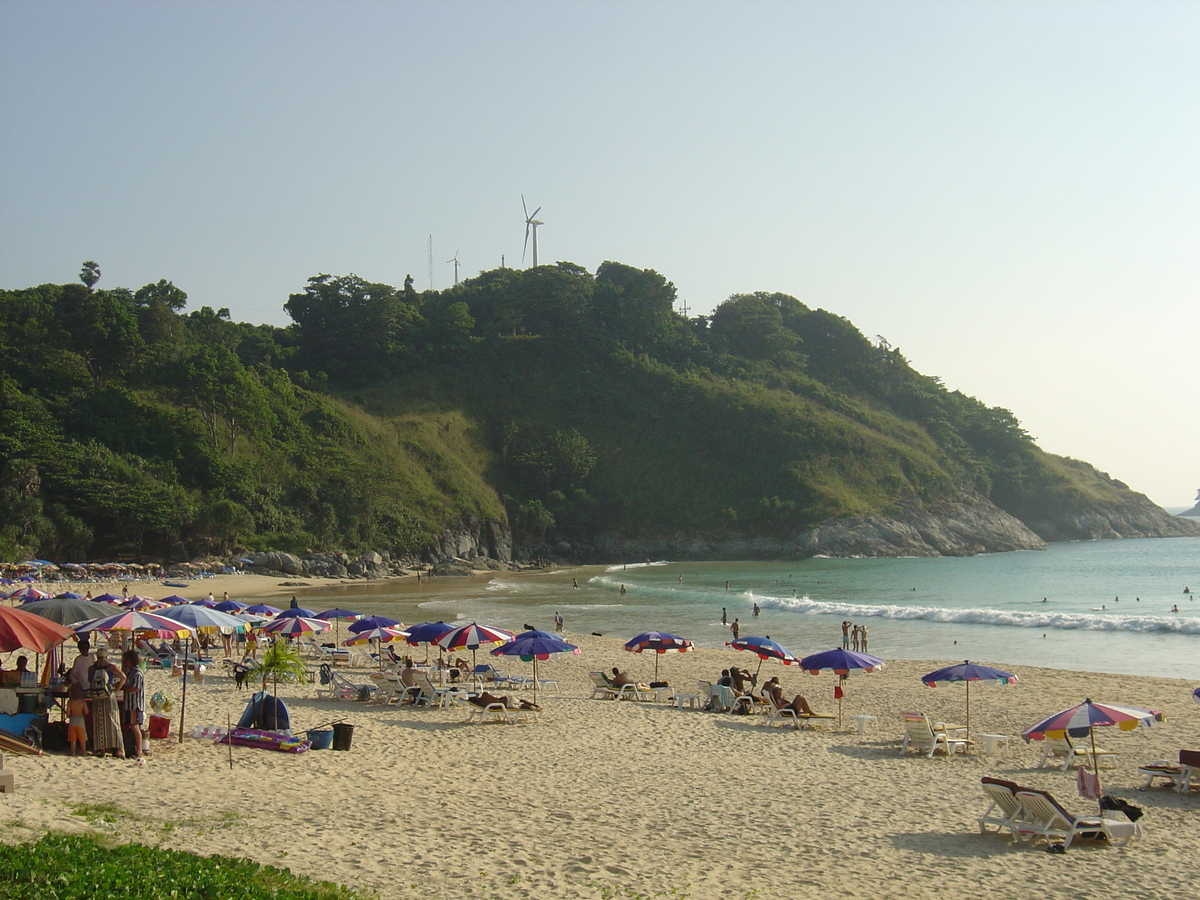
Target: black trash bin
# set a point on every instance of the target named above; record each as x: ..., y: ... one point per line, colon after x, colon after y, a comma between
x: 343, y: 734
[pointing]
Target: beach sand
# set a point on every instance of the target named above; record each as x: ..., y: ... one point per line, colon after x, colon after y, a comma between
x: 612, y: 799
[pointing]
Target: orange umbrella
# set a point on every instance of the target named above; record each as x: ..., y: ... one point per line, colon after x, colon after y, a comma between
x: 23, y: 630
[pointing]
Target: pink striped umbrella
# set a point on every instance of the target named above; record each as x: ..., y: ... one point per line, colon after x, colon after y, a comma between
x: 473, y: 636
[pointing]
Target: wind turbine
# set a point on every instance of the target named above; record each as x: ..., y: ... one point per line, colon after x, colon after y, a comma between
x: 530, y: 223
x: 454, y: 259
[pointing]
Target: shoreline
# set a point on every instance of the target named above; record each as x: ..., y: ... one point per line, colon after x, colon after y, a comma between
x: 603, y: 798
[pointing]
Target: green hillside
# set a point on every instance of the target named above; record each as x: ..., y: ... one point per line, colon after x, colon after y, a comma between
x: 559, y: 402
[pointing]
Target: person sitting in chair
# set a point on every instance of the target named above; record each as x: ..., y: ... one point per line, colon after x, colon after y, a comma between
x: 620, y: 679
x: 798, y: 704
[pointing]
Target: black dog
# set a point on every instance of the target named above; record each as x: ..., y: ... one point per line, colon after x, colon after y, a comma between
x: 529, y: 627
x: 241, y: 674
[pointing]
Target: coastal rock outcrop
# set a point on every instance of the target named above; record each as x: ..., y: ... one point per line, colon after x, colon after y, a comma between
x: 965, y: 526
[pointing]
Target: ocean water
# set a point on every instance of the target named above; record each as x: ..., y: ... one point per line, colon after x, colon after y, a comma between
x: 1105, y: 606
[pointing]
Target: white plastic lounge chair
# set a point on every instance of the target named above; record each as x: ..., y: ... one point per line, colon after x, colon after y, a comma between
x: 1047, y: 819
x: 1061, y: 750
x: 1189, y: 764
x: 1005, y: 811
x: 601, y: 689
x: 920, y: 736
x: 342, y: 688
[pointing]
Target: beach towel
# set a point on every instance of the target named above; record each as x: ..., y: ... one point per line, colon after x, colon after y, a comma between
x: 1088, y: 784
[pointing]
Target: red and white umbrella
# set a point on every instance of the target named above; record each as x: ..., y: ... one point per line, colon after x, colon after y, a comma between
x: 1082, y: 720
x: 473, y: 636
x: 294, y: 625
x: 137, y: 623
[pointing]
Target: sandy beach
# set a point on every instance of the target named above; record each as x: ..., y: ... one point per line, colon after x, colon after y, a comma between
x: 610, y: 799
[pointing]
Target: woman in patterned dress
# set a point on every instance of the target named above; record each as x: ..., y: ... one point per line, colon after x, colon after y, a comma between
x: 104, y: 679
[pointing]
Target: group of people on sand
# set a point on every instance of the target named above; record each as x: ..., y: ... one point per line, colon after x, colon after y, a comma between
x: 744, y: 683
x: 854, y: 637
x: 116, y: 696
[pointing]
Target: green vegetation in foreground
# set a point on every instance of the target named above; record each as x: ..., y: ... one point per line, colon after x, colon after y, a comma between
x: 66, y: 867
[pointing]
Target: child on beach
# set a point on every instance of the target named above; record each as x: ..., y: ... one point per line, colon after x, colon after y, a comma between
x: 76, y: 729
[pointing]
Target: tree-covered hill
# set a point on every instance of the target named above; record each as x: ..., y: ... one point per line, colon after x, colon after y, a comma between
x: 560, y: 403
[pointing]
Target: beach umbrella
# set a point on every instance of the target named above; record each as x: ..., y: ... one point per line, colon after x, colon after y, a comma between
x: 202, y: 619
x: 335, y: 616
x: 64, y: 612
x: 427, y: 633
x: 174, y: 600
x: 1196, y: 695
x: 136, y: 623
x: 657, y: 642
x: 764, y: 648
x: 68, y: 595
x: 292, y: 626
x: 383, y: 634
x: 1082, y: 720
x: 230, y: 606
x: 536, y: 645
x: 294, y: 611
x: 28, y: 594
x: 263, y: 609
x: 108, y: 598
x: 841, y: 663
x: 143, y: 603
x: 968, y: 671
x: 471, y: 637
x: 23, y: 630
x: 366, y: 624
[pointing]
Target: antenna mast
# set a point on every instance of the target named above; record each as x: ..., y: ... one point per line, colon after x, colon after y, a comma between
x: 431, y: 262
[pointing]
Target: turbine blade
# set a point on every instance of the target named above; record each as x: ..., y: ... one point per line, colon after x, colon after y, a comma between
x: 526, y: 245
x: 524, y: 207
x: 535, y: 212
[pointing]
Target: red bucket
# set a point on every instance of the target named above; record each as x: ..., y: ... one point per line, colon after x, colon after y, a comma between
x: 160, y: 727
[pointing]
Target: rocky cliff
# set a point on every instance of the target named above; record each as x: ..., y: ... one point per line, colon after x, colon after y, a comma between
x: 962, y: 527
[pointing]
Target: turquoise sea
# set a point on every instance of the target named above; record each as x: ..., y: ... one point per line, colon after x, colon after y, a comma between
x: 1105, y: 606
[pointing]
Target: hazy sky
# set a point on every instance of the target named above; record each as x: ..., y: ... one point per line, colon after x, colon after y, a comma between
x: 1009, y: 192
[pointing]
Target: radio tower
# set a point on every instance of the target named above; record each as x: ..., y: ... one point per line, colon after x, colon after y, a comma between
x: 431, y: 262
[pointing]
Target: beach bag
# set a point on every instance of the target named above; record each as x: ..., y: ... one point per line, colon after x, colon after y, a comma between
x: 326, y: 673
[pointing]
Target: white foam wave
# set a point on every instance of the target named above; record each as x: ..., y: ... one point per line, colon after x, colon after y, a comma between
x: 1014, y: 619
x: 641, y: 565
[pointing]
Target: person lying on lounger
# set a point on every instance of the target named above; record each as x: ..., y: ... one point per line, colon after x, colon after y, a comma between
x: 798, y: 704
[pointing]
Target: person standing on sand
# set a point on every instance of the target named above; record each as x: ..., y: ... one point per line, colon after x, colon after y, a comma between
x: 558, y: 622
x: 862, y: 638
x: 735, y: 628
x: 845, y: 634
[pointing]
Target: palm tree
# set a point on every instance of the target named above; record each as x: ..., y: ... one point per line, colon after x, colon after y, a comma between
x: 90, y: 273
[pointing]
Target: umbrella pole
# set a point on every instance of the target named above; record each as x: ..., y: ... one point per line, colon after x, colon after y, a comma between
x: 968, y: 709
x: 187, y: 648
x: 1096, y: 771
x: 535, y: 677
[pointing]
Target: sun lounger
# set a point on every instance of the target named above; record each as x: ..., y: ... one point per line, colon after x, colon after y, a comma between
x: 1005, y: 812
x: 919, y: 735
x: 1046, y: 818
x: 601, y: 689
x: 1062, y: 750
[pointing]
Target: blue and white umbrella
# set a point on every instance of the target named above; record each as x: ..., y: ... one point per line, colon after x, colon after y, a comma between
x: 657, y: 642
x: 535, y: 645
x: 841, y: 663
x: 294, y: 611
x: 968, y: 671
x: 370, y: 622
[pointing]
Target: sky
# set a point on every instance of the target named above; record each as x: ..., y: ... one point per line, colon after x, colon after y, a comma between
x: 1006, y: 191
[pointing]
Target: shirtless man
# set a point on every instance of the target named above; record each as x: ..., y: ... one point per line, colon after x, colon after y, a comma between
x: 620, y: 679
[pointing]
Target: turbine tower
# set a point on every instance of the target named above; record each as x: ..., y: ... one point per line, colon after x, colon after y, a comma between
x: 530, y: 223
x: 454, y: 259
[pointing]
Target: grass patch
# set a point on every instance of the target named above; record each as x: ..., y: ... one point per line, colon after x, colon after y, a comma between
x: 65, y: 867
